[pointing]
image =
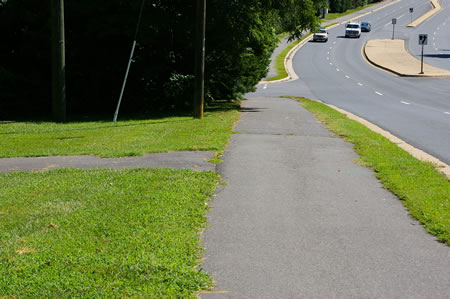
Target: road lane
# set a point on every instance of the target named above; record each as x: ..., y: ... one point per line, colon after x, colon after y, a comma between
x: 337, y: 74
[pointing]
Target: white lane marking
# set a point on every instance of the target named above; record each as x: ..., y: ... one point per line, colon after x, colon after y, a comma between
x: 434, y: 33
x: 447, y: 113
x: 406, y: 103
x: 390, y: 23
x: 331, y: 63
x: 337, y: 70
x: 331, y: 48
x: 334, y: 43
x: 347, y: 77
x: 378, y: 93
x: 328, y: 53
x: 400, y: 17
x: 265, y: 86
x: 328, y: 58
x: 360, y: 84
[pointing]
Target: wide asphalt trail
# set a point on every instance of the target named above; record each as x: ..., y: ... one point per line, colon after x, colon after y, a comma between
x: 299, y: 218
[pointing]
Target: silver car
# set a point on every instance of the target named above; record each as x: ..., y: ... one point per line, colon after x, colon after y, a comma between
x: 320, y: 36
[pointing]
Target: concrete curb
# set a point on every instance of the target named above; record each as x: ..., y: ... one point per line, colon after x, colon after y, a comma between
x: 440, y: 166
x: 432, y: 72
x: 436, y: 7
x: 288, y: 63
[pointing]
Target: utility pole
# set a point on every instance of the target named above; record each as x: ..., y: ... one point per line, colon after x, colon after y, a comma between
x: 58, y: 62
x: 199, y: 86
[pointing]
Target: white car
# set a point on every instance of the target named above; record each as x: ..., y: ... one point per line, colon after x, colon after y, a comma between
x: 320, y: 36
x: 353, y: 29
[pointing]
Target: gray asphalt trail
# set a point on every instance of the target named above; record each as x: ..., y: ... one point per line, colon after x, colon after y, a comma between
x: 299, y: 218
x: 195, y: 160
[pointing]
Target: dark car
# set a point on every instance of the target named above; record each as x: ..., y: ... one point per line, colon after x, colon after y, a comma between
x: 365, y: 26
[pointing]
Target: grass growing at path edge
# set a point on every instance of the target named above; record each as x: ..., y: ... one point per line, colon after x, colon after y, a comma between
x: 423, y: 190
x: 124, y: 138
x: 103, y: 233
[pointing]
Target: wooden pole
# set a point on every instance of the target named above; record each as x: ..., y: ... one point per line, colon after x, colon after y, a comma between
x: 58, y: 62
x: 199, y: 88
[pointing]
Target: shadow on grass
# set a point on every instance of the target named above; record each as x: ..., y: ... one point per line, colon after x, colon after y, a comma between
x: 144, y: 119
x: 222, y: 105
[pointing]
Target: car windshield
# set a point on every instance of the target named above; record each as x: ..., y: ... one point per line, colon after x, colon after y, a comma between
x: 364, y: 24
x: 322, y: 31
x: 352, y: 26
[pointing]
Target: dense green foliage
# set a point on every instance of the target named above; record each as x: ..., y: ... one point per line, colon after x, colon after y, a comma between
x: 103, y: 233
x: 343, y: 5
x: 240, y: 38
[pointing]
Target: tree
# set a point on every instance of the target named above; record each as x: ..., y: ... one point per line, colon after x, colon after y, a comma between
x: 240, y: 37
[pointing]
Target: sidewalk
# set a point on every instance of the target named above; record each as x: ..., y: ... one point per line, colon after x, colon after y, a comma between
x: 299, y: 219
x: 195, y: 160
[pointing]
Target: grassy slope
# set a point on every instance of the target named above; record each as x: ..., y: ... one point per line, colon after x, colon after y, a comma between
x: 424, y: 191
x: 107, y: 233
x: 125, y: 138
x: 333, y: 16
x: 102, y: 233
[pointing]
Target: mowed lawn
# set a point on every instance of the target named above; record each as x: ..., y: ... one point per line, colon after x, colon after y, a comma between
x: 124, y: 138
x: 107, y: 233
x: 103, y: 233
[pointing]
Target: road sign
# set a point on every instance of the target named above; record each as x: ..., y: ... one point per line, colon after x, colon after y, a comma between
x: 411, y: 9
x: 394, y: 21
x: 423, y: 39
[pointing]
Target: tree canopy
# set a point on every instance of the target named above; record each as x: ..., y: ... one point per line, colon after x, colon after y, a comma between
x: 240, y: 38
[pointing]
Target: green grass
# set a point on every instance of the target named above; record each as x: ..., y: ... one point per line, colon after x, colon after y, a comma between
x: 279, y: 61
x: 124, y: 138
x: 333, y: 16
x: 103, y: 233
x: 423, y: 190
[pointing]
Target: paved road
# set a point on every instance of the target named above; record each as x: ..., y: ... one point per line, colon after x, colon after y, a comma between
x: 415, y: 109
x: 299, y: 219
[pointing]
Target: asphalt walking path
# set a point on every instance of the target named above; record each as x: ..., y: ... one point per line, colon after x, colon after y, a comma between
x: 194, y: 160
x: 299, y: 218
